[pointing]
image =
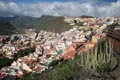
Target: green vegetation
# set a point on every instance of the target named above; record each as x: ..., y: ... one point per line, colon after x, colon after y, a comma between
x: 86, y: 16
x: 54, y: 63
x: 45, y: 22
x: 22, y: 22
x: 6, y: 28
x: 51, y: 23
x: 29, y: 76
x: 5, y: 62
x: 112, y: 26
x: 98, y: 59
x: 25, y: 52
x: 79, y: 24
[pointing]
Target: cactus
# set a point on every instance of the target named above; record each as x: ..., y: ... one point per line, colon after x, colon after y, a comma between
x: 106, y: 47
x: 93, y: 59
x: 114, y: 62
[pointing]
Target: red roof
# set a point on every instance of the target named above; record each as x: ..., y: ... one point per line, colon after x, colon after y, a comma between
x: 71, y: 50
x: 69, y: 54
x: 90, y: 42
x: 84, y: 49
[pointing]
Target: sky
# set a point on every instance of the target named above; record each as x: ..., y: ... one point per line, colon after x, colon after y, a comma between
x: 36, y: 8
x: 33, y: 1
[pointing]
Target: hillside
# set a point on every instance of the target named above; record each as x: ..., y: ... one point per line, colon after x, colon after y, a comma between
x: 45, y: 22
x: 7, y: 18
x: 19, y: 21
x: 6, y: 28
x: 86, y: 16
x: 51, y: 23
x: 22, y: 21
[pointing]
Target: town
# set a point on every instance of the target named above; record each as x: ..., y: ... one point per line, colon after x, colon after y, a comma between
x: 46, y: 46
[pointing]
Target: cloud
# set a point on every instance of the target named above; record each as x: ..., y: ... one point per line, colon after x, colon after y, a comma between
x: 59, y: 9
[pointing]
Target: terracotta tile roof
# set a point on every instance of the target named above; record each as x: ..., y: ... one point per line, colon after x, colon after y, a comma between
x: 84, y: 49
x: 70, y: 54
x: 79, y: 43
x: 90, y: 42
x: 38, y: 69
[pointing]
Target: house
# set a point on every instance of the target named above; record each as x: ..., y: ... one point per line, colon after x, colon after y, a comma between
x: 8, y: 54
x: 52, y: 51
x: 90, y: 44
x: 31, y: 35
x: 95, y: 38
x: 38, y: 50
x: 70, y: 55
x: 26, y: 67
x: 70, y: 52
x: 38, y: 69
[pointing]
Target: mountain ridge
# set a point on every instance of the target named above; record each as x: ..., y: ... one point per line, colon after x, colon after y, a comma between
x: 45, y: 22
x: 6, y: 28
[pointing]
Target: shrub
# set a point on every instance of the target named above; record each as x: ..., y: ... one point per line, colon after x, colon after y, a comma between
x: 5, y: 62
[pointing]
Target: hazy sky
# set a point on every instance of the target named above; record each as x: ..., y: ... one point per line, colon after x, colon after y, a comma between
x: 36, y: 8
